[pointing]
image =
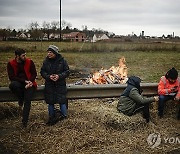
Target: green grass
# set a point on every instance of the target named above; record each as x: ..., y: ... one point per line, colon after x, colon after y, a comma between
x: 149, y: 66
x: 149, y: 46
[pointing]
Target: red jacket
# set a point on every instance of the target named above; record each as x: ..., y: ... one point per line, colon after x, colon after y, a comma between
x: 164, y: 87
x: 29, y: 69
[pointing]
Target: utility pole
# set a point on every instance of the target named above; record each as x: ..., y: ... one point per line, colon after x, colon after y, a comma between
x: 60, y: 21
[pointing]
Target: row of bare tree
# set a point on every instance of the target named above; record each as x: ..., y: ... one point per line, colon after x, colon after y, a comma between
x: 36, y: 30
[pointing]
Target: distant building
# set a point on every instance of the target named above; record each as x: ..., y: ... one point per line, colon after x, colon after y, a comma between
x: 75, y: 37
x: 23, y: 36
x: 45, y: 36
x: 98, y: 37
x: 54, y: 36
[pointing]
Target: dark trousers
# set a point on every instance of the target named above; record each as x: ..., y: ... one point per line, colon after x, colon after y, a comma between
x: 144, y: 108
x: 161, y: 104
x: 24, y: 97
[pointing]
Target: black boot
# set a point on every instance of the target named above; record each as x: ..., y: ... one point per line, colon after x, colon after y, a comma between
x: 146, y: 117
x: 52, y: 121
x: 146, y: 114
x: 24, y: 123
x: 62, y: 118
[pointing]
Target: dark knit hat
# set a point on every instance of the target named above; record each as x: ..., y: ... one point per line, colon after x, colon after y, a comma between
x: 172, y: 74
x: 53, y: 49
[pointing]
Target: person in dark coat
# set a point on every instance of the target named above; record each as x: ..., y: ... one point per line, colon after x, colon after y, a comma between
x: 22, y: 74
x: 55, y: 70
x: 131, y: 101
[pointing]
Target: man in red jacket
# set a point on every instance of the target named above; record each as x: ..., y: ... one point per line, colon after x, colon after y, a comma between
x: 22, y: 74
x: 169, y: 88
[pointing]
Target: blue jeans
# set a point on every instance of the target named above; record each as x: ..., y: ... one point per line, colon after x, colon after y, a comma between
x: 161, y: 104
x: 63, y: 110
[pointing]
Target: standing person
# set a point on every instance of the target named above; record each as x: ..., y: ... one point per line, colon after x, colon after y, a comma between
x: 55, y: 70
x: 22, y: 74
x: 169, y: 89
x: 131, y: 101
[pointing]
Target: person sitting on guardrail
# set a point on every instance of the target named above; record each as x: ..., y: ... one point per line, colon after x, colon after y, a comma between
x: 55, y: 70
x: 169, y: 89
x: 22, y: 74
x: 131, y: 100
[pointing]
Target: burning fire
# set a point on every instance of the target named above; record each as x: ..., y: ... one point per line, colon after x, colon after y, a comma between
x: 113, y: 75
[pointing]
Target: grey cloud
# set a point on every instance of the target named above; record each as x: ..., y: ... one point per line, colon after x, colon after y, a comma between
x: 154, y: 13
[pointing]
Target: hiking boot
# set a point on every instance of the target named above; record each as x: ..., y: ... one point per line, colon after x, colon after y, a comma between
x: 160, y: 115
x: 61, y: 118
x: 52, y: 121
x: 20, y: 102
x: 24, y: 124
x: 58, y: 113
x: 146, y: 117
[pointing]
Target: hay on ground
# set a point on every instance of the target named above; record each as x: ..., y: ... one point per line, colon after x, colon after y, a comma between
x: 88, y: 129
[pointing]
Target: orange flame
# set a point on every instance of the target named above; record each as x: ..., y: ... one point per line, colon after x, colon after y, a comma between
x: 112, y: 75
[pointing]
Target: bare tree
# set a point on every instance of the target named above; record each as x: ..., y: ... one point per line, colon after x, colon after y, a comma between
x: 66, y: 24
x: 34, y: 30
x: 46, y: 28
x: 55, y: 25
x: 33, y: 25
x: 84, y: 27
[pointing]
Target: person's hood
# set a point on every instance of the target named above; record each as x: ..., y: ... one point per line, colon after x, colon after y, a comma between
x: 134, y: 81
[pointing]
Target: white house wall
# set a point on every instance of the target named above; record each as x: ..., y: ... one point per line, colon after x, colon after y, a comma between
x: 103, y: 37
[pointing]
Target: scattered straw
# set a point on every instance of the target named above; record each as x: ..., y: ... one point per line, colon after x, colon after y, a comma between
x: 93, y: 126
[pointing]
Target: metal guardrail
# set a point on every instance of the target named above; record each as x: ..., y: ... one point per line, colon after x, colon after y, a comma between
x: 83, y: 91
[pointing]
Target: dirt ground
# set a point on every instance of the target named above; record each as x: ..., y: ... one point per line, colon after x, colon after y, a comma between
x: 93, y: 126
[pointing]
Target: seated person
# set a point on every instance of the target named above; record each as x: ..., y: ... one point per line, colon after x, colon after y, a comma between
x: 169, y: 89
x: 131, y: 101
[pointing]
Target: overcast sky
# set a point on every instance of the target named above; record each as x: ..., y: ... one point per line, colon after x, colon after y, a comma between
x: 154, y: 17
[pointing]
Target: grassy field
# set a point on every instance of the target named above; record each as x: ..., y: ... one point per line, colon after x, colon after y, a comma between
x: 94, y: 47
x: 149, y: 66
x: 94, y: 126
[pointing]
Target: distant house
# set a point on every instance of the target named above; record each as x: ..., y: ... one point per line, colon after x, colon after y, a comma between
x: 45, y: 36
x: 23, y: 36
x: 98, y: 37
x: 54, y: 36
x: 75, y: 36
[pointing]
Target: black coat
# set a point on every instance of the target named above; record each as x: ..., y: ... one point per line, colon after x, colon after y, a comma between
x: 55, y: 92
